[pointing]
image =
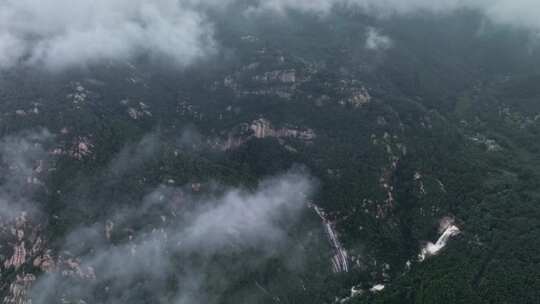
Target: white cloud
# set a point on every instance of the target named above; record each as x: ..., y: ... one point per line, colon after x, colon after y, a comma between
x: 376, y: 41
x: 281, y: 6
x: 383, y: 7
x: 249, y: 218
x: 63, y: 33
x: 233, y: 222
x: 10, y: 49
x: 22, y: 161
x: 524, y: 13
x: 514, y: 12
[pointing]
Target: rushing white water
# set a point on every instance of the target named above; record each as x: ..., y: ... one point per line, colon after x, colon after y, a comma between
x: 340, y: 260
x: 377, y: 288
x: 433, y: 249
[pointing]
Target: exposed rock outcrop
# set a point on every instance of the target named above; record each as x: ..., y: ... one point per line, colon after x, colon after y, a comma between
x: 262, y: 128
x: 286, y: 76
x: 18, y: 292
x: 18, y: 258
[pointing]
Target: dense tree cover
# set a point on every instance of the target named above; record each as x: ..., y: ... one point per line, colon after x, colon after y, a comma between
x: 437, y: 99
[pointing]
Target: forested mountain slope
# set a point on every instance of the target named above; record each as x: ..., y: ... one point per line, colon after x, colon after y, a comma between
x: 344, y: 158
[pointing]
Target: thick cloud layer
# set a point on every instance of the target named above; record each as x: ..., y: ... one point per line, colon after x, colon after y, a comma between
x: 61, y: 33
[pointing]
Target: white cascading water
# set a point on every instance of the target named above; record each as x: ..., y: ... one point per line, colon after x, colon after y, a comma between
x: 340, y: 260
x: 449, y: 230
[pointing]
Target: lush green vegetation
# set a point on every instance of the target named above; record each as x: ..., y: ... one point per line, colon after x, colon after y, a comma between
x: 440, y: 87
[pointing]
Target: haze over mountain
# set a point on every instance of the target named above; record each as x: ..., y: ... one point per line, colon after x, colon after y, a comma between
x: 278, y: 151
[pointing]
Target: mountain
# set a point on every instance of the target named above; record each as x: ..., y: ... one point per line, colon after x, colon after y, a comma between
x: 336, y: 158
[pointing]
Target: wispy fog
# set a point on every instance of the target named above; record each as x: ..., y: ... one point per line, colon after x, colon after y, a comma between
x: 22, y: 163
x: 149, y: 242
